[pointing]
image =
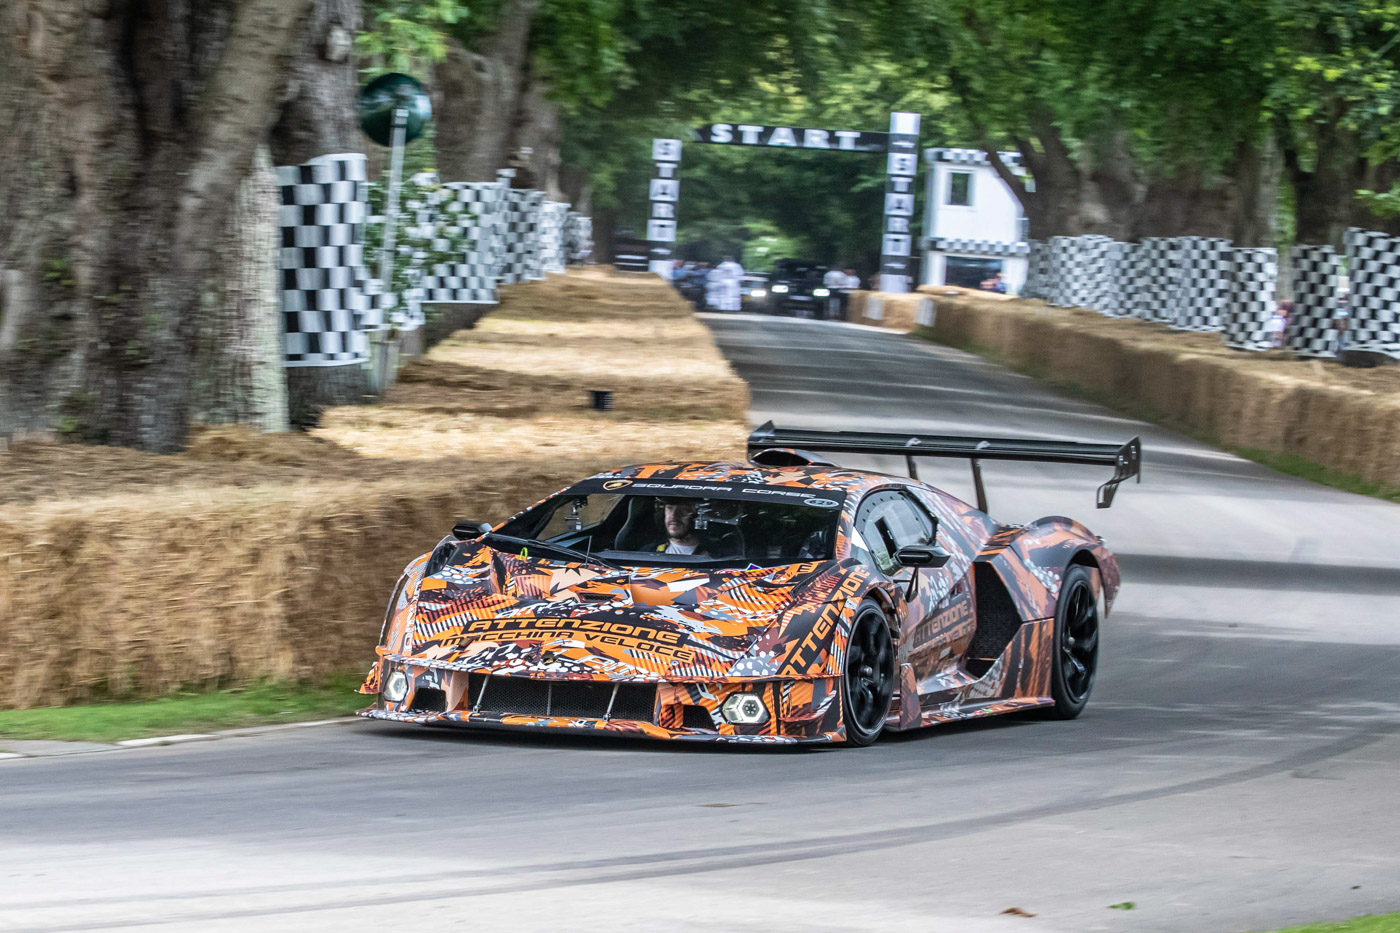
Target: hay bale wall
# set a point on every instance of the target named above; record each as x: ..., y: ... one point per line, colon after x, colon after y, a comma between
x: 897, y: 311
x: 1345, y: 419
x: 133, y: 575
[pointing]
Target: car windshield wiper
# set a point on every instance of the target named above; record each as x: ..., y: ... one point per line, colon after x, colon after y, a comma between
x: 551, y: 546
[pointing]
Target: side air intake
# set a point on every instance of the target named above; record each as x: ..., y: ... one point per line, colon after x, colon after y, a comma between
x: 997, y: 620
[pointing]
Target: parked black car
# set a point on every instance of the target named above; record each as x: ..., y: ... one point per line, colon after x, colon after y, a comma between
x: 753, y: 291
x: 795, y: 288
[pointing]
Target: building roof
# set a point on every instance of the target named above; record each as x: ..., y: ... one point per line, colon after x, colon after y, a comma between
x: 973, y: 157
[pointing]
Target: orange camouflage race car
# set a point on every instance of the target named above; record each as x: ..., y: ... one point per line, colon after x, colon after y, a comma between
x: 783, y: 600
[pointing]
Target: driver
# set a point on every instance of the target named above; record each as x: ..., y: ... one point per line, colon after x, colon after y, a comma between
x: 678, y: 517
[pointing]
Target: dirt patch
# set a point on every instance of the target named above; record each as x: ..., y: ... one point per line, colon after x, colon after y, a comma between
x: 249, y: 556
x: 1343, y: 418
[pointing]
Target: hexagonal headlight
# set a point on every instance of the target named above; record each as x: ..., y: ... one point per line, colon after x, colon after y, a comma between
x: 745, y: 709
x: 395, y: 687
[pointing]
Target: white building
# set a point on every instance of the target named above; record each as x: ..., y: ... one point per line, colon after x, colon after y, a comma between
x: 974, y: 227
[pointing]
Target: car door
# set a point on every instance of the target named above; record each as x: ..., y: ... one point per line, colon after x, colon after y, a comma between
x: 886, y: 521
x: 940, y: 620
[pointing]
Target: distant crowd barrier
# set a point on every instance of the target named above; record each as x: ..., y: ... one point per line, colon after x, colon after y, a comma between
x: 1206, y: 285
x: 330, y: 301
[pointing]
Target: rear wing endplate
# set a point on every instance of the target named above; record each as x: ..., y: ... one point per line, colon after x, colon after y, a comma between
x: 1126, y: 459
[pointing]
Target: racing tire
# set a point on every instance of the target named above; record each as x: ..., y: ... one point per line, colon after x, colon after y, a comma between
x: 1076, y: 658
x: 867, y: 679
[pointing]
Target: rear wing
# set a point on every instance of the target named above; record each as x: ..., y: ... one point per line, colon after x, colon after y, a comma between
x: 1126, y: 459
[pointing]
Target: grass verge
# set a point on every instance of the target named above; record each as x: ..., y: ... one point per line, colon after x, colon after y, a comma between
x: 1375, y: 923
x: 1291, y: 464
x: 259, y: 704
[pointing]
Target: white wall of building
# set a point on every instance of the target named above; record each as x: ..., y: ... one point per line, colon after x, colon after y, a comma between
x: 991, y: 215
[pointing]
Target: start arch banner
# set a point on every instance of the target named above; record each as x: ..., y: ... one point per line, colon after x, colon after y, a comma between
x: 900, y: 146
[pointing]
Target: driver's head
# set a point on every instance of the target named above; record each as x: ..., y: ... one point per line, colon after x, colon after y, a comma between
x: 678, y: 515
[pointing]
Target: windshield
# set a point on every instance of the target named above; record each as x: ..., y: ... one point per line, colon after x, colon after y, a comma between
x: 789, y: 268
x: 694, y: 524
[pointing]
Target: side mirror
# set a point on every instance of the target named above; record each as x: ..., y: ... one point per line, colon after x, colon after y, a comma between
x: 465, y: 531
x: 922, y: 555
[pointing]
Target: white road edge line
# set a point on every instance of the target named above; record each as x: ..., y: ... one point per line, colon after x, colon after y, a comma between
x: 164, y: 740
x: 156, y: 741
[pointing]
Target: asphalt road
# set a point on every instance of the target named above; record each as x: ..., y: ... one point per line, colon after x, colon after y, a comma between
x: 1237, y: 769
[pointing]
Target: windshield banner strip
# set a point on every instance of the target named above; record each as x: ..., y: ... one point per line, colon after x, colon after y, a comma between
x: 750, y: 492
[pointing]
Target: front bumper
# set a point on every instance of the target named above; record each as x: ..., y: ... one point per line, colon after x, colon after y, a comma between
x: 798, y: 711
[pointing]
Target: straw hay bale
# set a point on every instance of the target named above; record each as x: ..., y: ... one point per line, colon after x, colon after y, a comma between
x: 1346, y: 419
x: 897, y: 310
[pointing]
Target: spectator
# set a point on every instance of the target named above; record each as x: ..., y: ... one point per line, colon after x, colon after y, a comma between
x: 1278, y: 323
x: 833, y: 282
x: 730, y: 292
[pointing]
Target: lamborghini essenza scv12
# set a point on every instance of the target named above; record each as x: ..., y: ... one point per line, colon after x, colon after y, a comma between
x: 780, y: 600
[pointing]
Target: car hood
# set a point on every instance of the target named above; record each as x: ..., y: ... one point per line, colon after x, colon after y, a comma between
x: 493, y: 611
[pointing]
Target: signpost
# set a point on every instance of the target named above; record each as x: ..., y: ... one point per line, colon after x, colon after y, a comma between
x: 900, y: 145
x: 394, y: 111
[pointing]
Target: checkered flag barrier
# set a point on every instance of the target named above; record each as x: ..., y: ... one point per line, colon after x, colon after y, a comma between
x: 1253, y: 279
x: 1039, y: 274
x: 1312, y: 327
x: 1156, y: 278
x: 1116, y: 298
x: 521, y: 244
x: 466, y: 209
x: 1373, y: 261
x: 325, y: 311
x: 1089, y: 281
x: 1061, y: 253
x: 552, y: 217
x: 1077, y: 270
x: 1203, y: 292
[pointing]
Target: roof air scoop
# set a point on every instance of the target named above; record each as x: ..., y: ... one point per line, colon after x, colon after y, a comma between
x: 787, y: 457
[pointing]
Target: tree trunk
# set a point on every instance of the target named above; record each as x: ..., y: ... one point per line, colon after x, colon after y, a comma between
x: 40, y: 330
x: 1183, y: 205
x: 478, y: 97
x: 537, y: 136
x: 577, y: 188
x: 238, y: 361
x: 320, y: 118
x: 1324, y: 197
x: 1257, y: 170
x: 158, y: 110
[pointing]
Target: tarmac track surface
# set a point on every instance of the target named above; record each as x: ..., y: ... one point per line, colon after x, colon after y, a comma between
x: 1238, y: 767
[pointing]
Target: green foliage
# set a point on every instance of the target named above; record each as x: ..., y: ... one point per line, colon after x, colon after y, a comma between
x: 582, y: 51
x: 1372, y: 923
x: 186, y: 712
x: 407, y: 35
x: 766, y: 244
x: 1382, y: 203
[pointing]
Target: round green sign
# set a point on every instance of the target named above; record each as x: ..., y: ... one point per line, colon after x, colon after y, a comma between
x: 386, y: 94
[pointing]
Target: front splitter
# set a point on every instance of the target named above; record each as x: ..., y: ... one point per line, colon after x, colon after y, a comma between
x: 620, y: 727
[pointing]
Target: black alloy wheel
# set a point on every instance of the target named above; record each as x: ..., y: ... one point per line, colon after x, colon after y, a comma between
x: 868, y: 682
x: 1076, y: 659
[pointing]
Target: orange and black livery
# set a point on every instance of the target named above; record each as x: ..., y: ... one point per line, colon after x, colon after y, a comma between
x: 781, y: 600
